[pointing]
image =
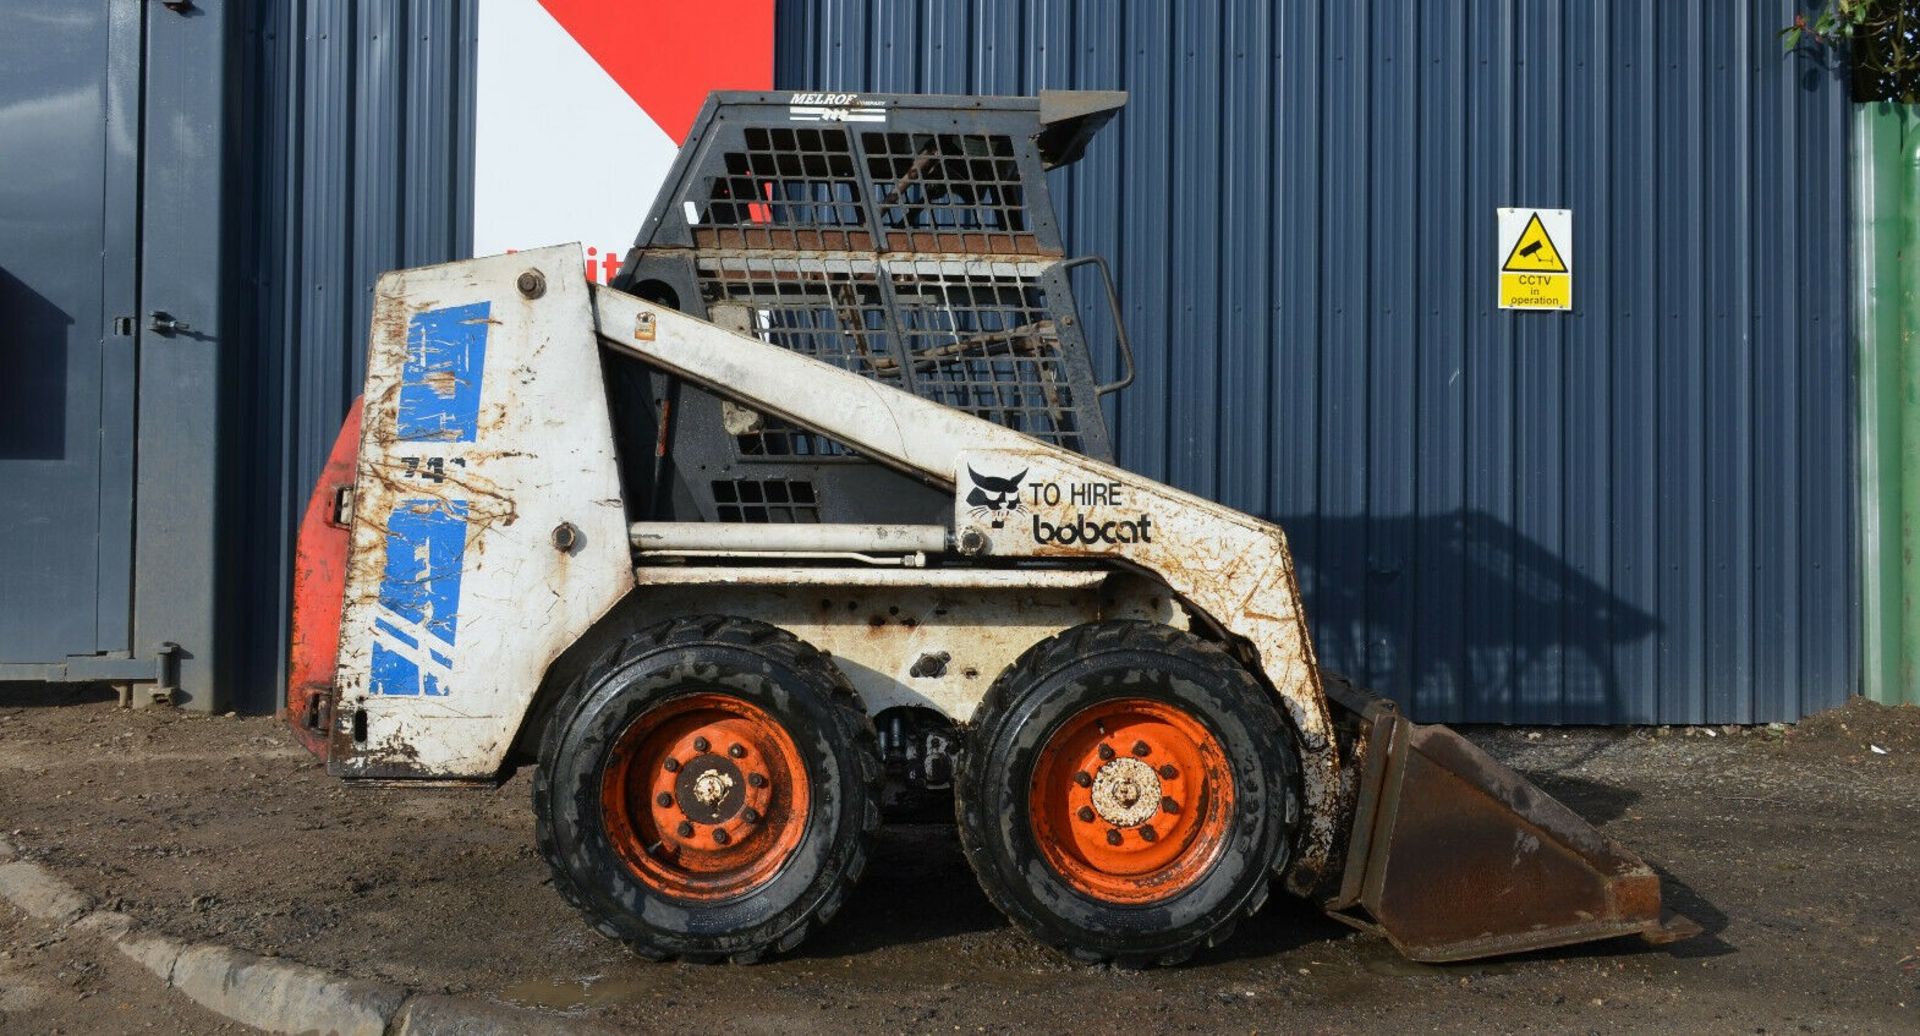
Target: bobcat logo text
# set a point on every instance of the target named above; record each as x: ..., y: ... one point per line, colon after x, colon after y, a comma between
x: 1083, y: 527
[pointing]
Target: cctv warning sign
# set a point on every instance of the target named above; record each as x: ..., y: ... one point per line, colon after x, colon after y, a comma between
x: 1536, y: 258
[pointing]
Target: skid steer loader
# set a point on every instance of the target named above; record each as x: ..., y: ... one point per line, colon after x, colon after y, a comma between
x: 809, y: 519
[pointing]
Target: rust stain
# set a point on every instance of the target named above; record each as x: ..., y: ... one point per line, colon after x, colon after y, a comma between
x: 442, y: 383
x: 391, y: 313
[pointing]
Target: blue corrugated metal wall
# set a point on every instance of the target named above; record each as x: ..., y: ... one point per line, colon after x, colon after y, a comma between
x: 363, y: 128
x: 1638, y: 512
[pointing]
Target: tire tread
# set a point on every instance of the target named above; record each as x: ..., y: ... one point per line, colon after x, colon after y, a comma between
x: 777, y: 646
x: 1075, y: 645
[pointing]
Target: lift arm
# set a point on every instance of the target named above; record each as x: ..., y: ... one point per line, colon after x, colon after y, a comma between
x: 1232, y: 567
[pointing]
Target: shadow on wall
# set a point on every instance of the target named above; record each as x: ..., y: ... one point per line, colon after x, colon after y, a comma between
x: 33, y: 390
x: 1461, y: 618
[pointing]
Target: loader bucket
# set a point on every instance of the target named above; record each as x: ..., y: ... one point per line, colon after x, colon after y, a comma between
x: 1454, y: 856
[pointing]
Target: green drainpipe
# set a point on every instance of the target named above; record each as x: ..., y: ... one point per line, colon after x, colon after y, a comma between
x: 1886, y: 142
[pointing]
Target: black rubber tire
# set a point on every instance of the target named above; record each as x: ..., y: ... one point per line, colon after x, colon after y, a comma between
x: 1054, y: 681
x: 775, y: 671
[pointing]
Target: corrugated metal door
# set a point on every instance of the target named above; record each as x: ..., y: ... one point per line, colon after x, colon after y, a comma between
x: 1641, y: 511
x: 69, y: 105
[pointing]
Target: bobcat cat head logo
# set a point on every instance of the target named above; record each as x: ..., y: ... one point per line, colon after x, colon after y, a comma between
x: 994, y: 498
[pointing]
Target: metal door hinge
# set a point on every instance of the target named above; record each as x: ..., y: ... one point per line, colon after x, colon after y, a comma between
x: 123, y: 326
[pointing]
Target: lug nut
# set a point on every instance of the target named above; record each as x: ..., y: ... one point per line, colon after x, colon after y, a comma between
x: 663, y: 799
x: 1147, y: 832
x: 685, y: 830
x: 720, y: 836
x: 1083, y: 779
x: 756, y: 780
x: 1106, y: 752
x: 1113, y: 836
x: 701, y: 744
x: 1140, y: 748
x: 750, y: 815
x: 1167, y: 805
x: 1085, y: 813
x: 671, y: 765
x: 738, y: 751
x: 1168, y: 773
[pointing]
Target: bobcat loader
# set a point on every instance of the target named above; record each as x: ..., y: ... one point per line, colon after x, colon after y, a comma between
x: 809, y: 519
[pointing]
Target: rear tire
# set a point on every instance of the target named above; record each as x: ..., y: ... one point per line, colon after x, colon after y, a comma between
x: 709, y: 790
x: 1127, y: 792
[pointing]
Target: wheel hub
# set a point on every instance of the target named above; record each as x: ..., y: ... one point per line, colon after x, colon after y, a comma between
x: 710, y: 789
x: 1126, y: 793
x: 705, y: 797
x: 1131, y: 800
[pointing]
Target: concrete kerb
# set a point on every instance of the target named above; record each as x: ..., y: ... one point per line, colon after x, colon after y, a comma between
x: 36, y: 891
x: 280, y: 996
x: 265, y: 993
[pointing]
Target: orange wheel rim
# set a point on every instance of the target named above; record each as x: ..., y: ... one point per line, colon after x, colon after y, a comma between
x: 705, y: 797
x: 1131, y: 801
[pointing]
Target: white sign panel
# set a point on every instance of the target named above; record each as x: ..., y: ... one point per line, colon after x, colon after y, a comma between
x: 1536, y: 258
x: 580, y: 107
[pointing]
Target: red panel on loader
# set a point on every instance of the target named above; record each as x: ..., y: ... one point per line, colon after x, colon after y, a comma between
x: 319, y: 588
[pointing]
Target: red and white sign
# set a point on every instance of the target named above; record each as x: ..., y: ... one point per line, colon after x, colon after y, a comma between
x: 581, y: 106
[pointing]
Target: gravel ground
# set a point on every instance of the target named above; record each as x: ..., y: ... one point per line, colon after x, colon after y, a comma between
x: 1794, y: 848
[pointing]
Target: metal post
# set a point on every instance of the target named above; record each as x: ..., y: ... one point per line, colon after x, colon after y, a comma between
x: 1886, y: 141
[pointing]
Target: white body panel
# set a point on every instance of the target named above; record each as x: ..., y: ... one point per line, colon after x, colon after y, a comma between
x: 934, y: 638
x: 485, y: 429
x: 542, y: 454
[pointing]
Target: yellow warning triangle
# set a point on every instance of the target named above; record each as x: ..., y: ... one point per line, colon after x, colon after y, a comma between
x: 1534, y: 252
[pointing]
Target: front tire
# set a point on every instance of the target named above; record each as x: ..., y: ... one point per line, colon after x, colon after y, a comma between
x: 709, y: 790
x: 1127, y: 793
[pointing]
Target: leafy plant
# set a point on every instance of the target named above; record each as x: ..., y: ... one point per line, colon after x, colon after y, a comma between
x: 1877, y: 40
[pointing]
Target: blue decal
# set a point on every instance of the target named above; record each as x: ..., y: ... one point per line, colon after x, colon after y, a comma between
x: 398, y: 674
x: 440, y: 382
x: 394, y: 631
x: 420, y: 597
